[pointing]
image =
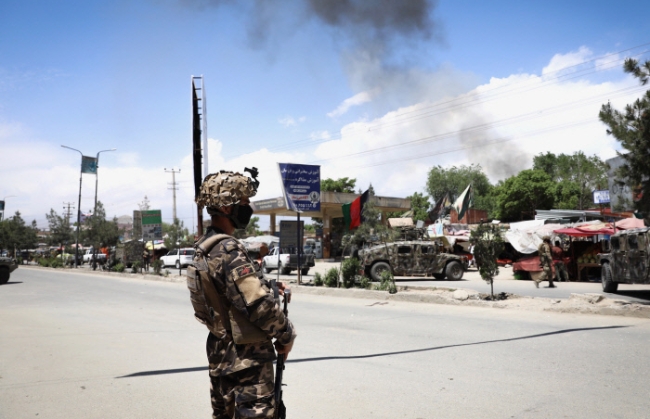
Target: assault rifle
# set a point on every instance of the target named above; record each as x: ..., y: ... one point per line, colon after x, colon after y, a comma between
x: 280, y: 410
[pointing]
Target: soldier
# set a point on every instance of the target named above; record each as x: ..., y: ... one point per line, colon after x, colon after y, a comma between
x: 558, y: 261
x: 237, y: 304
x: 545, y: 259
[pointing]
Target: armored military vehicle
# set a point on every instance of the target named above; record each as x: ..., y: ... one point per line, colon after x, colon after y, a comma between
x: 7, y: 266
x: 413, y: 254
x: 627, y: 260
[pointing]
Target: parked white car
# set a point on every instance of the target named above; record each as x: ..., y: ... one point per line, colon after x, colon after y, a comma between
x: 178, y: 257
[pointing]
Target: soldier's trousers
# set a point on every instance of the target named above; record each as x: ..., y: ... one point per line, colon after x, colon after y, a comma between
x: 244, y: 394
x: 561, y: 272
x: 547, y: 275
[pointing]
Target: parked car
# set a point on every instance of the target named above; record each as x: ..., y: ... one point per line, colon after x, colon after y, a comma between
x: 287, y: 262
x: 178, y: 257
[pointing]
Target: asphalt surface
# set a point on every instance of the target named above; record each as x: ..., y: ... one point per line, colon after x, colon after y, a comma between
x: 91, y: 346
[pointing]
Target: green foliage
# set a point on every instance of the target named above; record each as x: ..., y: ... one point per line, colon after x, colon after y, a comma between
x: 156, y: 265
x: 100, y: 232
x: 387, y: 283
x: 119, y: 267
x: 364, y: 282
x: 632, y: 129
x: 454, y: 180
x: 15, y: 235
x: 576, y: 177
x: 331, y: 278
x: 176, y: 235
x: 349, y: 270
x: 318, y: 280
x: 488, y: 244
x: 343, y: 184
x: 136, y: 267
x: 519, y: 196
x: 60, y: 229
x: 419, y: 206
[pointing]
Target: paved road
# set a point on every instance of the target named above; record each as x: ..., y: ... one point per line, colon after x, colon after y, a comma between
x: 88, y: 346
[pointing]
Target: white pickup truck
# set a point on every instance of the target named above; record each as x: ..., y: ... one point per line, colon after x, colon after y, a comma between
x: 88, y: 257
x: 287, y: 262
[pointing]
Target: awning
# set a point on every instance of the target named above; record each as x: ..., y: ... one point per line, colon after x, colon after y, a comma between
x: 601, y: 228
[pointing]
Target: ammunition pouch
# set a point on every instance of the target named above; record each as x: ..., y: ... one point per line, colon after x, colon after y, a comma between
x: 212, y: 308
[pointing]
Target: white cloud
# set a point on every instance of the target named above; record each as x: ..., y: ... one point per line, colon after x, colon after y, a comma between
x: 567, y: 62
x: 356, y: 100
x: 500, y: 125
x: 289, y: 121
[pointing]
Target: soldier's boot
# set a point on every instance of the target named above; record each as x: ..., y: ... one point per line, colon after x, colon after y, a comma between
x: 536, y: 283
x: 550, y: 284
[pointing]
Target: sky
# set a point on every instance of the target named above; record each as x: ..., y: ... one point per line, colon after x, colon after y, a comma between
x: 380, y: 91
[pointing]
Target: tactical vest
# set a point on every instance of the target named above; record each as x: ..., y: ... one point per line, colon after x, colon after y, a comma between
x: 212, y: 308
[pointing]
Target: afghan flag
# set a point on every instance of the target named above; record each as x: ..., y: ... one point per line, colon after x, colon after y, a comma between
x: 463, y: 202
x: 352, y: 212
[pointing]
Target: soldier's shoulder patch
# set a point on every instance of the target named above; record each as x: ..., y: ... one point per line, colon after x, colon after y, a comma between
x: 243, y: 270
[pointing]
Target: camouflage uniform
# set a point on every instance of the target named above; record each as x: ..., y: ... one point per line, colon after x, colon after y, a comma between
x: 560, y: 266
x: 545, y: 259
x: 241, y: 375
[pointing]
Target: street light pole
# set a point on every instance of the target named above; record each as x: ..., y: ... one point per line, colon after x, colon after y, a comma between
x: 76, y: 254
x: 95, y: 210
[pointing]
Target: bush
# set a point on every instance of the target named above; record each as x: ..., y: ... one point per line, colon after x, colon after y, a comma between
x: 332, y: 278
x: 364, y: 282
x: 318, y: 279
x: 387, y: 283
x: 44, y: 262
x: 56, y: 263
x: 135, y: 267
x: 119, y: 267
x: 349, y: 271
x: 157, y: 266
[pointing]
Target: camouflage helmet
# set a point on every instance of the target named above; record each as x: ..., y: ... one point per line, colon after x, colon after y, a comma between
x: 225, y: 188
x: 546, y: 238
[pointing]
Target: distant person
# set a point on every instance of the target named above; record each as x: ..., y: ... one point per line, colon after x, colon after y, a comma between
x: 545, y: 259
x: 558, y: 261
x: 145, y: 259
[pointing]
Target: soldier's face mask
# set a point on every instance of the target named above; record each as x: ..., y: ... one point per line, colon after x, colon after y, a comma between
x: 240, y: 215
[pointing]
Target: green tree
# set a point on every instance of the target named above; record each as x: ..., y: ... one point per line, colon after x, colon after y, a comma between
x: 176, y: 235
x: 454, y: 180
x: 632, y: 129
x: 60, y: 229
x: 519, y: 196
x: 576, y: 175
x: 488, y: 244
x: 98, y: 231
x: 343, y: 184
x: 419, y: 206
x: 16, y: 236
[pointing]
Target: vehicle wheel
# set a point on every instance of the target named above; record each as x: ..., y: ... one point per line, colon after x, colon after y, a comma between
x: 4, y: 276
x: 178, y: 264
x: 284, y: 271
x: 267, y: 270
x: 606, y: 278
x: 439, y: 276
x: 377, y: 269
x: 454, y: 271
x: 304, y: 271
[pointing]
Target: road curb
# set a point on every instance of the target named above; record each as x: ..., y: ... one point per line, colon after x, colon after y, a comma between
x: 576, y: 304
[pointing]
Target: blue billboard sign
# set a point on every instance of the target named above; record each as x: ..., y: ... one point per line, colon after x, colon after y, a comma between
x: 300, y: 186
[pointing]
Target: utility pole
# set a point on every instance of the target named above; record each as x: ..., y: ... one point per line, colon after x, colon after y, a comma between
x: 173, y: 186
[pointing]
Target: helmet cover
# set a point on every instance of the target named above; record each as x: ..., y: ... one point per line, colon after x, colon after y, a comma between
x: 225, y: 188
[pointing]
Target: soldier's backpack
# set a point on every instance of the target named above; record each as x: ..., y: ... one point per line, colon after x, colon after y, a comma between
x: 210, y: 307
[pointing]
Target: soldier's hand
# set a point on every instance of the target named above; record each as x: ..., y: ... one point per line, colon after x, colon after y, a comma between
x: 283, y: 349
x: 281, y: 287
